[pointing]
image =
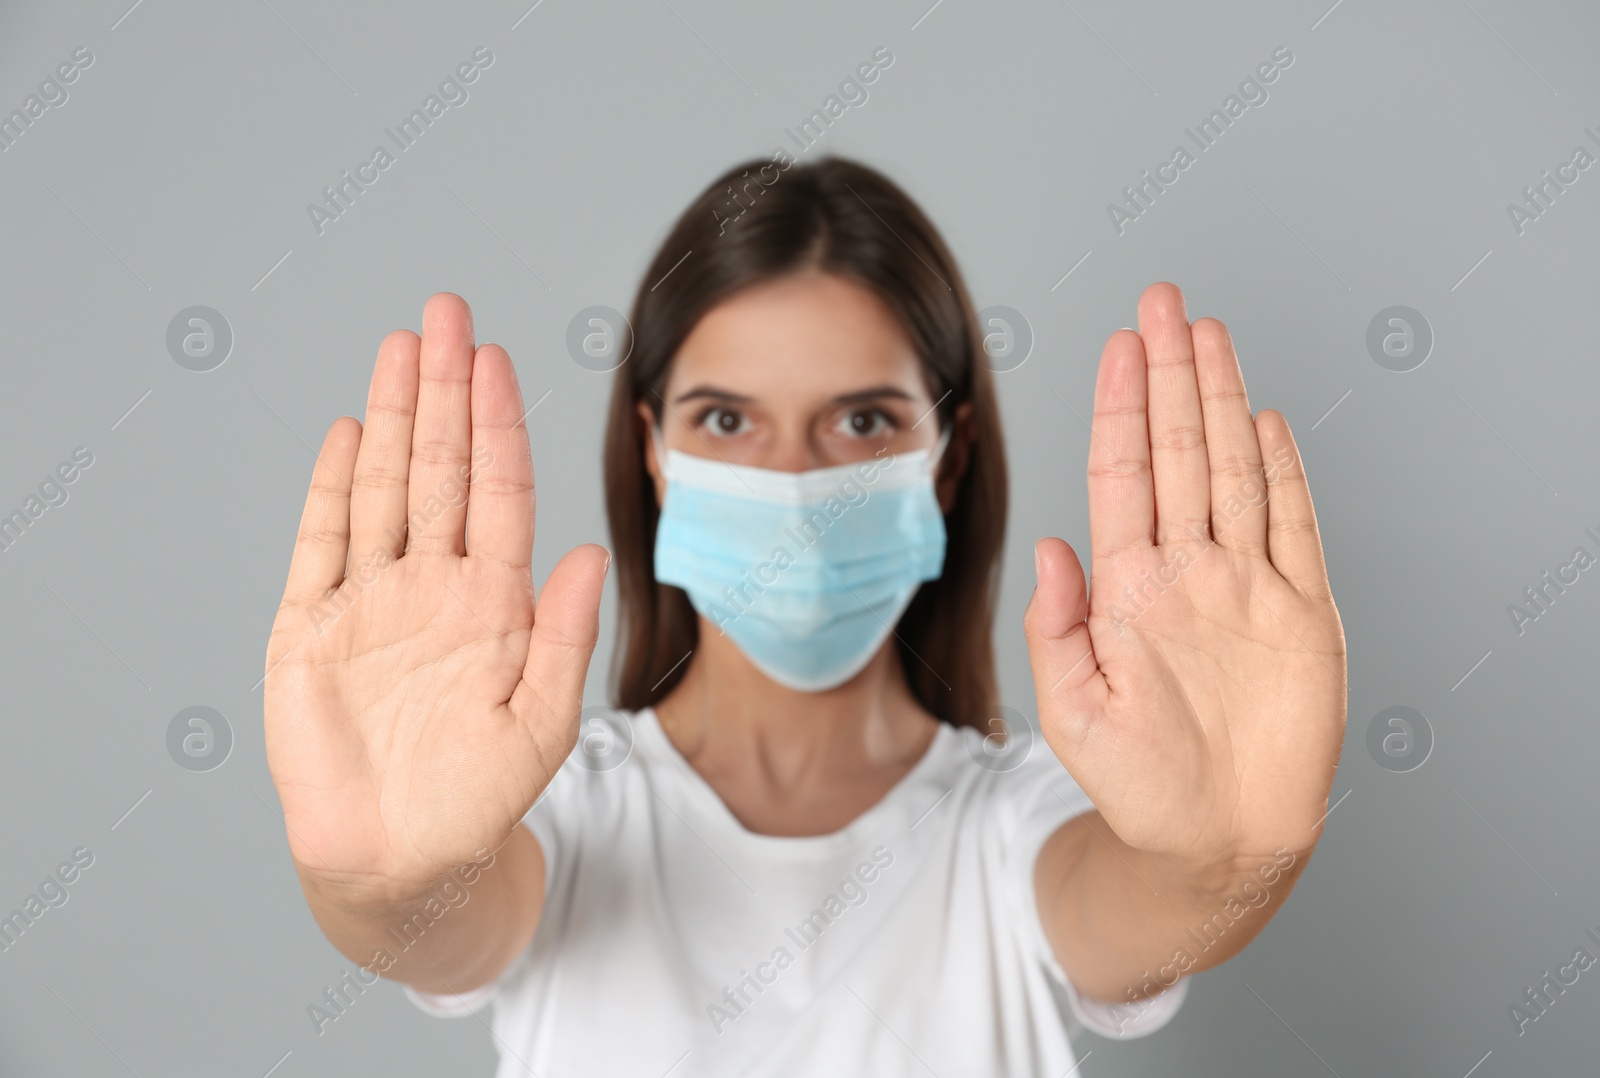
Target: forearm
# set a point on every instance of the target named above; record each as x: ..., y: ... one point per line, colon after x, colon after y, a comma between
x: 453, y: 935
x: 1125, y: 924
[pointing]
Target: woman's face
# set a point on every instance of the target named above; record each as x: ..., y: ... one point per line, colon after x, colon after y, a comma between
x: 806, y: 371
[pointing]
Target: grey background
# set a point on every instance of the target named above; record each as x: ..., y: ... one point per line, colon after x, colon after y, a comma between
x: 1377, y: 174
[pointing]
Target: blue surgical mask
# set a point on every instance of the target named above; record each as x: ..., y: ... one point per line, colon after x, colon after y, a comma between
x: 807, y: 572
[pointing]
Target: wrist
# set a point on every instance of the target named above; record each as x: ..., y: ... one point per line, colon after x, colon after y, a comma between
x: 376, y: 896
x: 1230, y: 897
x: 359, y: 898
x: 1215, y: 877
x: 1188, y: 881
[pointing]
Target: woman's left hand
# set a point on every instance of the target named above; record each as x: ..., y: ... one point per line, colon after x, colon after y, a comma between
x: 1197, y: 690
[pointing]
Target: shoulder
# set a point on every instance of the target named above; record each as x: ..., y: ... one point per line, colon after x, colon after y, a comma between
x: 1013, y: 774
x: 604, y: 781
x: 612, y: 744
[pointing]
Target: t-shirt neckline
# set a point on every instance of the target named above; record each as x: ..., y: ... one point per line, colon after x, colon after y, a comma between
x: 716, y: 811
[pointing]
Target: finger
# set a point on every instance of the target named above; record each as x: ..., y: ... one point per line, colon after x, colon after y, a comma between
x: 441, y: 438
x: 566, y: 625
x: 1238, y: 492
x: 323, y: 543
x: 1121, y: 498
x: 1066, y: 676
x: 1293, y: 541
x: 1177, y: 427
x: 378, y: 491
x: 500, y: 505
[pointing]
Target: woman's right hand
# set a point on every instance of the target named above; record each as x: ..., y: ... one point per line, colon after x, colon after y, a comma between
x: 417, y: 699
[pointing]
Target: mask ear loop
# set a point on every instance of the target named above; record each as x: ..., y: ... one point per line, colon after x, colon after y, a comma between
x: 661, y: 448
x: 936, y: 455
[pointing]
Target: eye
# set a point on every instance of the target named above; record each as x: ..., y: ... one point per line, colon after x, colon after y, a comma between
x: 723, y: 421
x: 866, y: 423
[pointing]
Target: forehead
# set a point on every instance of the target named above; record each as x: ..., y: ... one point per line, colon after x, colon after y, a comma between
x: 798, y: 337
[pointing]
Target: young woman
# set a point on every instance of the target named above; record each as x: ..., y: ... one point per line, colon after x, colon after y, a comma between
x: 806, y: 842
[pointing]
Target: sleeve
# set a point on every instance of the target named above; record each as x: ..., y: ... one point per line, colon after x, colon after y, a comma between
x: 555, y: 821
x: 445, y: 1005
x: 1038, y: 797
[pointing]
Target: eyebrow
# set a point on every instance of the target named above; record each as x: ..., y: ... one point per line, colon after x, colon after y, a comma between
x: 714, y: 393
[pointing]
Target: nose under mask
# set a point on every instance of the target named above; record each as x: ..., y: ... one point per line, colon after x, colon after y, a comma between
x: 807, y: 572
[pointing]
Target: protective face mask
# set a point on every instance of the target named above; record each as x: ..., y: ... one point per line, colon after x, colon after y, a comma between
x: 807, y: 572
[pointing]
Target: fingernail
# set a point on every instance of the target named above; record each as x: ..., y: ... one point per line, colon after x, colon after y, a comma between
x: 1038, y: 564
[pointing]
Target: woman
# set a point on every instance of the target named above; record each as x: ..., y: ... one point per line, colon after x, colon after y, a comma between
x: 806, y: 843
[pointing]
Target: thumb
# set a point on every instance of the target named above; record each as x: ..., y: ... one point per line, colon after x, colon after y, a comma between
x: 1066, y: 677
x: 566, y: 624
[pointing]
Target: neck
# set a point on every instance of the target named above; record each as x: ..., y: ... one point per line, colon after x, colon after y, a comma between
x: 725, y: 709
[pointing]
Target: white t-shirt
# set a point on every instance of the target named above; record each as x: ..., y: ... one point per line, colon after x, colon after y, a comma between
x: 676, y: 942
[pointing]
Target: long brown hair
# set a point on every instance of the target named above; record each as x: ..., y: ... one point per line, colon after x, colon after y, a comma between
x: 840, y: 217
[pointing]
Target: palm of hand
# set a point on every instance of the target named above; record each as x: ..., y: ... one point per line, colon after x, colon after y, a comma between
x: 421, y: 683
x: 1197, y: 690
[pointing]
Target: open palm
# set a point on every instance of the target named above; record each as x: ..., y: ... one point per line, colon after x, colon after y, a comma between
x: 1197, y: 689
x: 417, y: 702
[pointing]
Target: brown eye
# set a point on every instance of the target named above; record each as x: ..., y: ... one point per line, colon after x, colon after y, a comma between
x: 724, y: 421
x: 866, y: 423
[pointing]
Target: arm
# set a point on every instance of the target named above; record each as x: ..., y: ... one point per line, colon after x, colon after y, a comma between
x: 454, y: 936
x: 1126, y: 924
x: 1197, y: 691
